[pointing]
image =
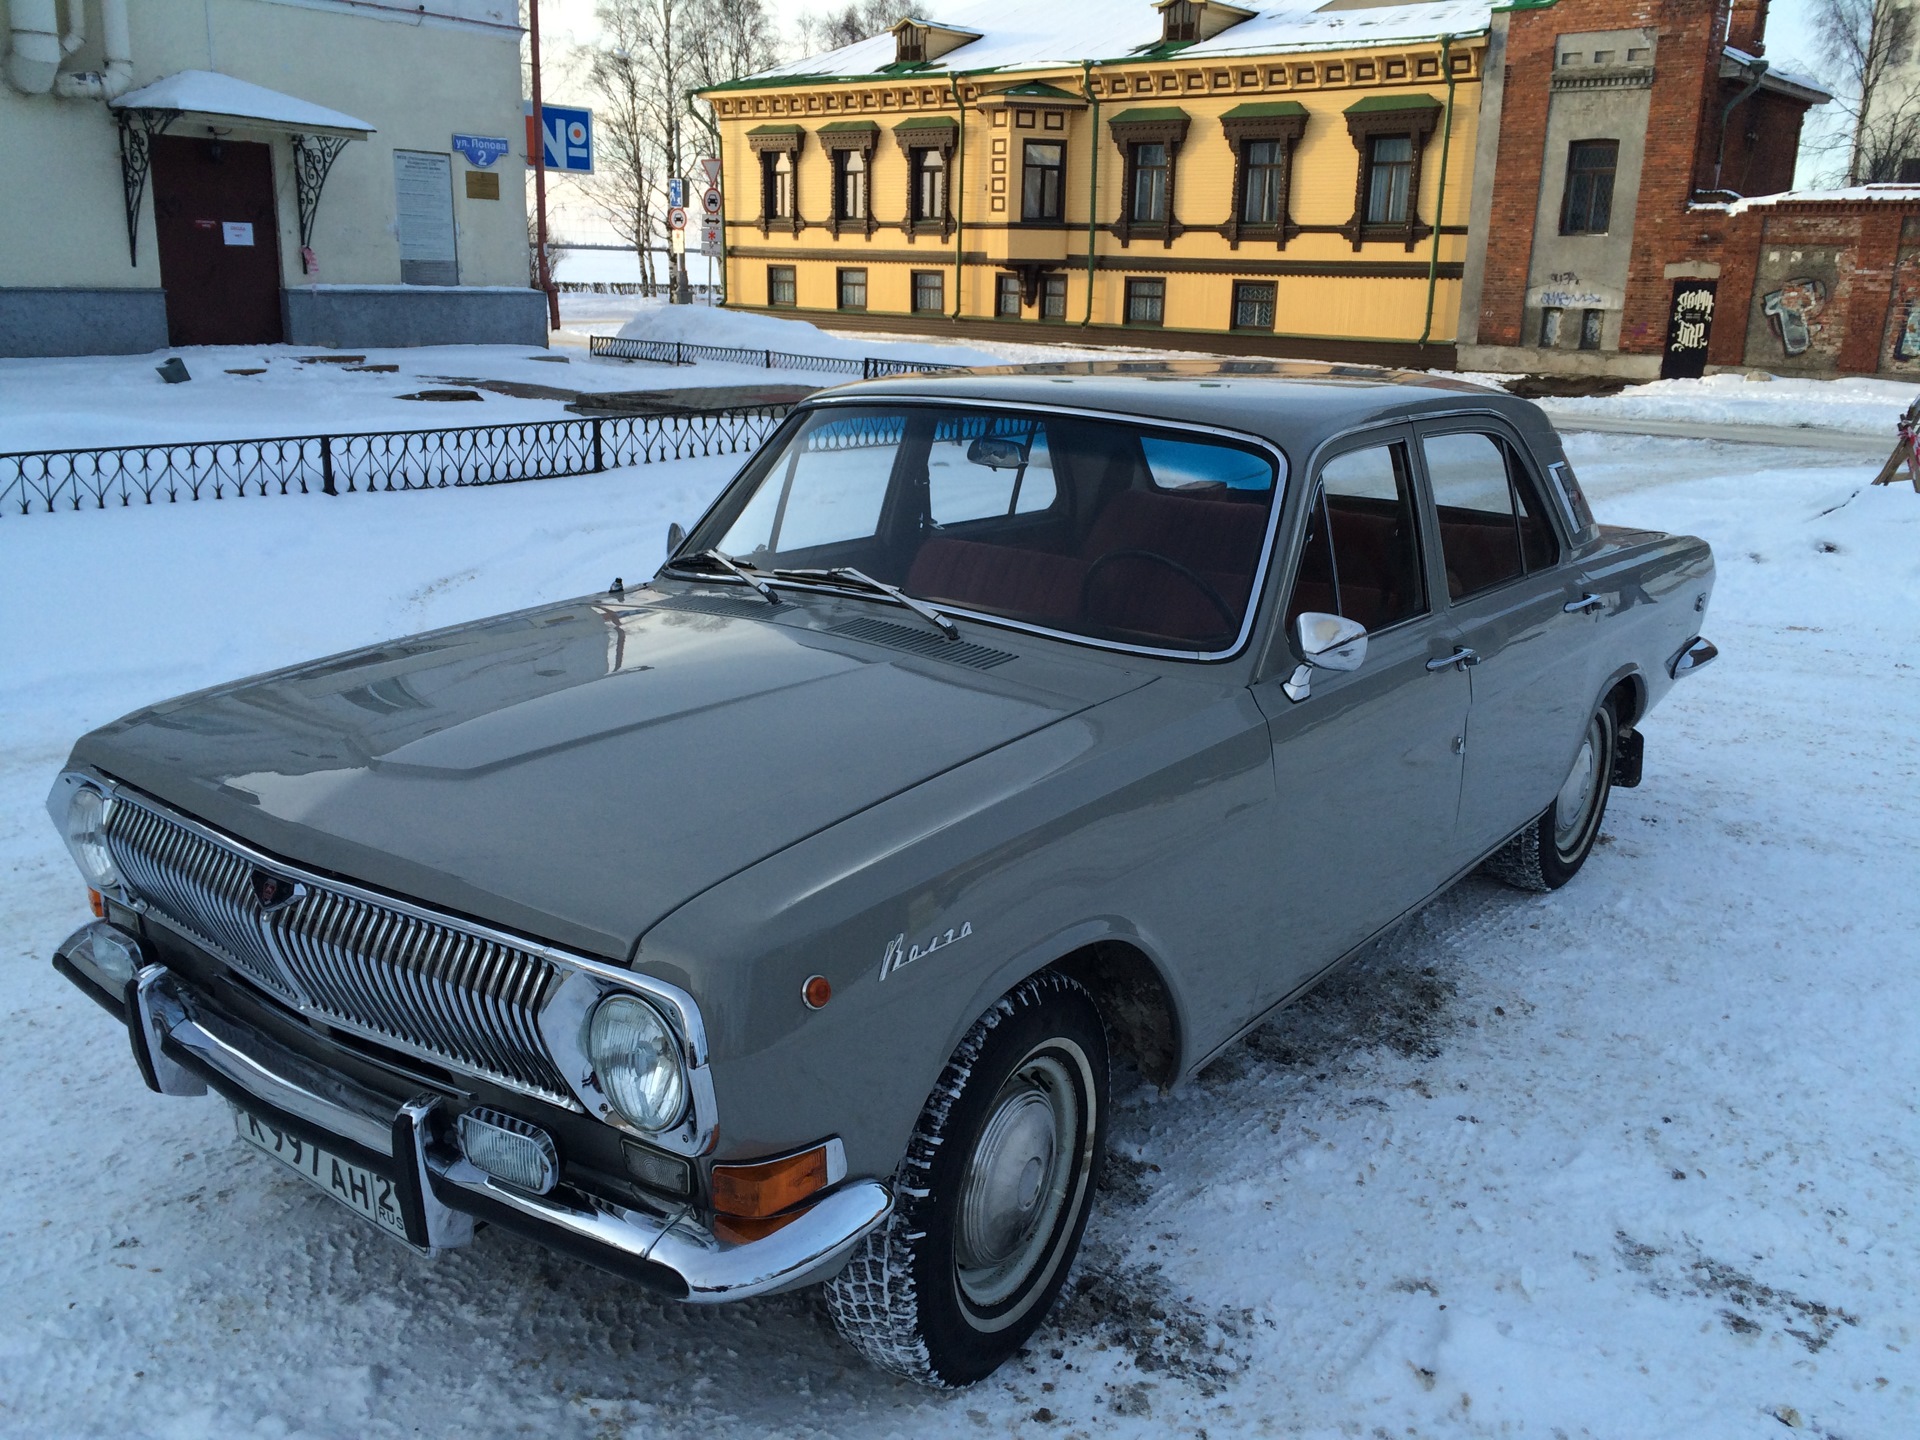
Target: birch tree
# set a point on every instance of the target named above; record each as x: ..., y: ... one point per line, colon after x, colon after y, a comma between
x: 1868, y: 46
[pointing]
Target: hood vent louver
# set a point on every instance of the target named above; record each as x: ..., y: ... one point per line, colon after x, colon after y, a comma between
x: 923, y: 642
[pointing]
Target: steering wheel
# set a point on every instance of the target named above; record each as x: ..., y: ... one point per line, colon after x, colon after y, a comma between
x: 1213, y: 596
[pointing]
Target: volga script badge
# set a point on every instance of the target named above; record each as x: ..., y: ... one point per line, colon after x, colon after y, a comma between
x: 898, y: 956
x: 275, y: 892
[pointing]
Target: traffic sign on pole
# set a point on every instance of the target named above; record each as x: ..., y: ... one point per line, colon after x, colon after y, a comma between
x: 710, y: 203
x: 710, y: 167
x: 676, y: 218
x: 710, y: 239
x: 676, y: 193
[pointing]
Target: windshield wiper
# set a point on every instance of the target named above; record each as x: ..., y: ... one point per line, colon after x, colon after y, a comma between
x: 860, y: 580
x: 723, y: 561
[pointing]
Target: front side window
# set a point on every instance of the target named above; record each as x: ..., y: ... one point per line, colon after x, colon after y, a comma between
x: 929, y: 291
x: 1493, y: 527
x: 853, y: 289
x: 1588, y: 207
x: 1041, y: 179
x: 1265, y: 162
x: 929, y: 185
x: 1141, y: 535
x: 780, y: 285
x: 1361, y: 558
x: 850, y: 185
x: 1053, y: 297
x: 776, y: 176
x: 1006, y: 297
x: 1389, y: 178
x: 1253, y: 304
x: 1148, y: 205
x: 1146, y: 302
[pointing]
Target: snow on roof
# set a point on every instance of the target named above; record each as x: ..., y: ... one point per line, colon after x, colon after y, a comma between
x: 1048, y: 36
x: 1849, y: 195
x: 207, y: 92
x: 1777, y: 77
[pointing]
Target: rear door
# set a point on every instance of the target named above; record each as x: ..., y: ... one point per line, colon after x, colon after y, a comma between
x: 1367, y: 767
x: 219, y: 241
x: 1506, y: 591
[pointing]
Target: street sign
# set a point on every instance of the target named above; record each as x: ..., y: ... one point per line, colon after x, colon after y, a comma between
x: 676, y: 193
x: 710, y: 241
x: 676, y: 218
x: 710, y: 167
x: 481, y: 150
x: 566, y: 137
x: 678, y: 242
x: 710, y: 203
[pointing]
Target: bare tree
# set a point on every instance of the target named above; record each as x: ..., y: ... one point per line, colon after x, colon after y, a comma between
x: 728, y: 39
x: 626, y: 184
x: 1868, y: 46
x: 853, y: 22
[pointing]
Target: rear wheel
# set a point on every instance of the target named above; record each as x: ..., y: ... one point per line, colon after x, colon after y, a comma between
x: 1551, y: 850
x: 992, y: 1197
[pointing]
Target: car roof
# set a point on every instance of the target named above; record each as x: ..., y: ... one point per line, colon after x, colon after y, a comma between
x: 1294, y: 403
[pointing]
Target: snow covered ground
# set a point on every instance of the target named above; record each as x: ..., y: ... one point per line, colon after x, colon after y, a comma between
x: 1636, y: 1160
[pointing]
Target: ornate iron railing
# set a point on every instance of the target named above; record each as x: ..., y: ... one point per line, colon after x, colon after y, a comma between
x: 684, y: 352
x: 388, y: 460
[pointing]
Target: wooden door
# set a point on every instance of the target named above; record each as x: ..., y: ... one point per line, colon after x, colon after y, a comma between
x: 219, y: 241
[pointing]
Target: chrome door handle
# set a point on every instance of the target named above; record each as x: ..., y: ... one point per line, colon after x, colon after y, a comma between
x: 1585, y: 602
x: 1462, y: 658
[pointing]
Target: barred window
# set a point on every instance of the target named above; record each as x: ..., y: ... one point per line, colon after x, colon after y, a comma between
x: 1253, y: 304
x: 1146, y: 302
x: 780, y: 286
x: 929, y: 291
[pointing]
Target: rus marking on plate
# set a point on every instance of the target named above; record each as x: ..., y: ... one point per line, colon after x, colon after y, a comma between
x: 898, y: 956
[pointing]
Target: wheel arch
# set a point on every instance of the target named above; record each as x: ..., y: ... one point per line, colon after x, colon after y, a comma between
x: 1626, y: 691
x: 1135, y: 1001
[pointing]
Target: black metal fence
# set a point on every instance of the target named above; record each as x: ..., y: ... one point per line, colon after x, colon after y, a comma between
x: 391, y: 460
x: 683, y: 352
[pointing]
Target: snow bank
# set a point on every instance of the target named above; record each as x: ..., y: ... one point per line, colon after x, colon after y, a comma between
x: 1848, y: 404
x: 712, y: 325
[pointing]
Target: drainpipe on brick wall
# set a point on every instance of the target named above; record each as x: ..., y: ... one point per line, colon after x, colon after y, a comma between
x: 958, y: 183
x: 1093, y: 179
x: 1440, y: 198
x: 1756, y: 71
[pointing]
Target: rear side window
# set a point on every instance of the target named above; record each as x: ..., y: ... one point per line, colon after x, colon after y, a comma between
x: 1362, y: 553
x: 1493, y: 527
x: 1572, y: 497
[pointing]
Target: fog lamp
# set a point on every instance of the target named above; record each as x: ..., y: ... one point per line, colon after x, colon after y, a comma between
x: 85, y: 832
x: 637, y: 1062
x: 510, y: 1149
x: 117, y: 956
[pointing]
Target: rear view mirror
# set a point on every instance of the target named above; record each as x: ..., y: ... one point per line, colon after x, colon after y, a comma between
x: 997, y: 453
x: 676, y: 537
x: 1324, y: 642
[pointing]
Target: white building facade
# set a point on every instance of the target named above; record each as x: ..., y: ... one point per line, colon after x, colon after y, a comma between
x: 318, y: 172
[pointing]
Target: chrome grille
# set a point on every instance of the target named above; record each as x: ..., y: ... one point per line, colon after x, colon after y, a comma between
x: 431, y: 988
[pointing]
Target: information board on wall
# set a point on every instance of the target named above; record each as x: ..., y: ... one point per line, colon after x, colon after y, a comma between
x: 423, y: 208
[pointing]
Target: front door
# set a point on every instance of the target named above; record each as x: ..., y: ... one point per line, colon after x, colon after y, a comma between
x: 1367, y: 768
x: 219, y: 241
x: 1507, y: 594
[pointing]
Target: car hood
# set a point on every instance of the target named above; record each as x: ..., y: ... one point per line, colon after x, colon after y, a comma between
x: 576, y: 772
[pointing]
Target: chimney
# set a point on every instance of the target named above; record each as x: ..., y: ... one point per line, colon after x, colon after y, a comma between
x: 1747, y: 26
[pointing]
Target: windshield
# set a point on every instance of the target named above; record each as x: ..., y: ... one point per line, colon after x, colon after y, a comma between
x: 1125, y: 533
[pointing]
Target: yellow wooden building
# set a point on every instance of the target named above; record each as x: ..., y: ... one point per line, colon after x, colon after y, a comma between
x: 1288, y: 180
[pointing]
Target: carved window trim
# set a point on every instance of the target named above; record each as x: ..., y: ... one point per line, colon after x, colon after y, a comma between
x: 861, y: 139
x: 1417, y: 121
x: 774, y: 140
x: 1242, y: 131
x: 943, y: 138
x: 1158, y: 129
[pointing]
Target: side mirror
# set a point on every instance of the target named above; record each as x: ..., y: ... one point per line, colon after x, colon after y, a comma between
x: 676, y: 537
x: 1324, y: 642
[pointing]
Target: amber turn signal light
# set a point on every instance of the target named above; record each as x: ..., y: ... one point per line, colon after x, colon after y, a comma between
x: 99, y: 904
x: 816, y: 992
x: 765, y: 1189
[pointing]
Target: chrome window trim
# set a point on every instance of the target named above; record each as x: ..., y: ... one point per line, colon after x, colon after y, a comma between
x: 1255, y: 596
x: 564, y: 1032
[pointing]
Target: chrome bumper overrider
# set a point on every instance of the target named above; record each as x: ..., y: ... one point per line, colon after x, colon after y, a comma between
x: 183, y: 1046
x: 1692, y: 655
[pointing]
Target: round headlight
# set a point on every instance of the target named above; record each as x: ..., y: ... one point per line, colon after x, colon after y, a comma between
x: 637, y: 1062
x: 86, y: 836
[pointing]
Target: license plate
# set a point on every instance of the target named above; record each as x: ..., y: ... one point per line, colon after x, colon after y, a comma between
x: 369, y: 1195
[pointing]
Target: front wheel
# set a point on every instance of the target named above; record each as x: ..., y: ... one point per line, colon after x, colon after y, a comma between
x: 992, y: 1197
x: 1551, y: 850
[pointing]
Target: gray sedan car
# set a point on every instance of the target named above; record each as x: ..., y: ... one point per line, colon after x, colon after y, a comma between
x: 776, y: 922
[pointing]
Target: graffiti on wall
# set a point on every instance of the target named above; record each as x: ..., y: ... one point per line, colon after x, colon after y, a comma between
x: 1902, y: 344
x: 1792, y: 309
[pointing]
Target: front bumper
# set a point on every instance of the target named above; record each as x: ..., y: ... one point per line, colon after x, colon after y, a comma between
x: 183, y: 1045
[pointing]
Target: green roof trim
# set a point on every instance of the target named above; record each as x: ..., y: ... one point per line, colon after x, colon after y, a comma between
x: 1034, y: 89
x: 929, y: 122
x: 842, y: 127
x: 1374, y: 104
x: 1148, y: 115
x: 1265, y: 109
x: 774, y: 130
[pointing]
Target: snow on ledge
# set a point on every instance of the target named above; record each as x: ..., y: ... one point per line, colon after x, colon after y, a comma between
x: 1847, y: 195
x: 207, y: 92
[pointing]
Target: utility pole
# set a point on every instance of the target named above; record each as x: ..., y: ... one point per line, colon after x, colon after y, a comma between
x: 539, y: 158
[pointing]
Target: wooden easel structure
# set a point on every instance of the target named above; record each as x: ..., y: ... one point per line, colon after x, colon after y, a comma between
x: 1904, y: 453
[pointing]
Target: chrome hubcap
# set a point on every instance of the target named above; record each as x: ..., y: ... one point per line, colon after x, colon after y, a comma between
x: 1571, y: 808
x: 1017, y: 1179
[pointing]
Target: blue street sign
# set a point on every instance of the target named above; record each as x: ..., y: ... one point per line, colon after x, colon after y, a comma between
x: 481, y: 150
x: 567, y: 137
x: 676, y: 192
